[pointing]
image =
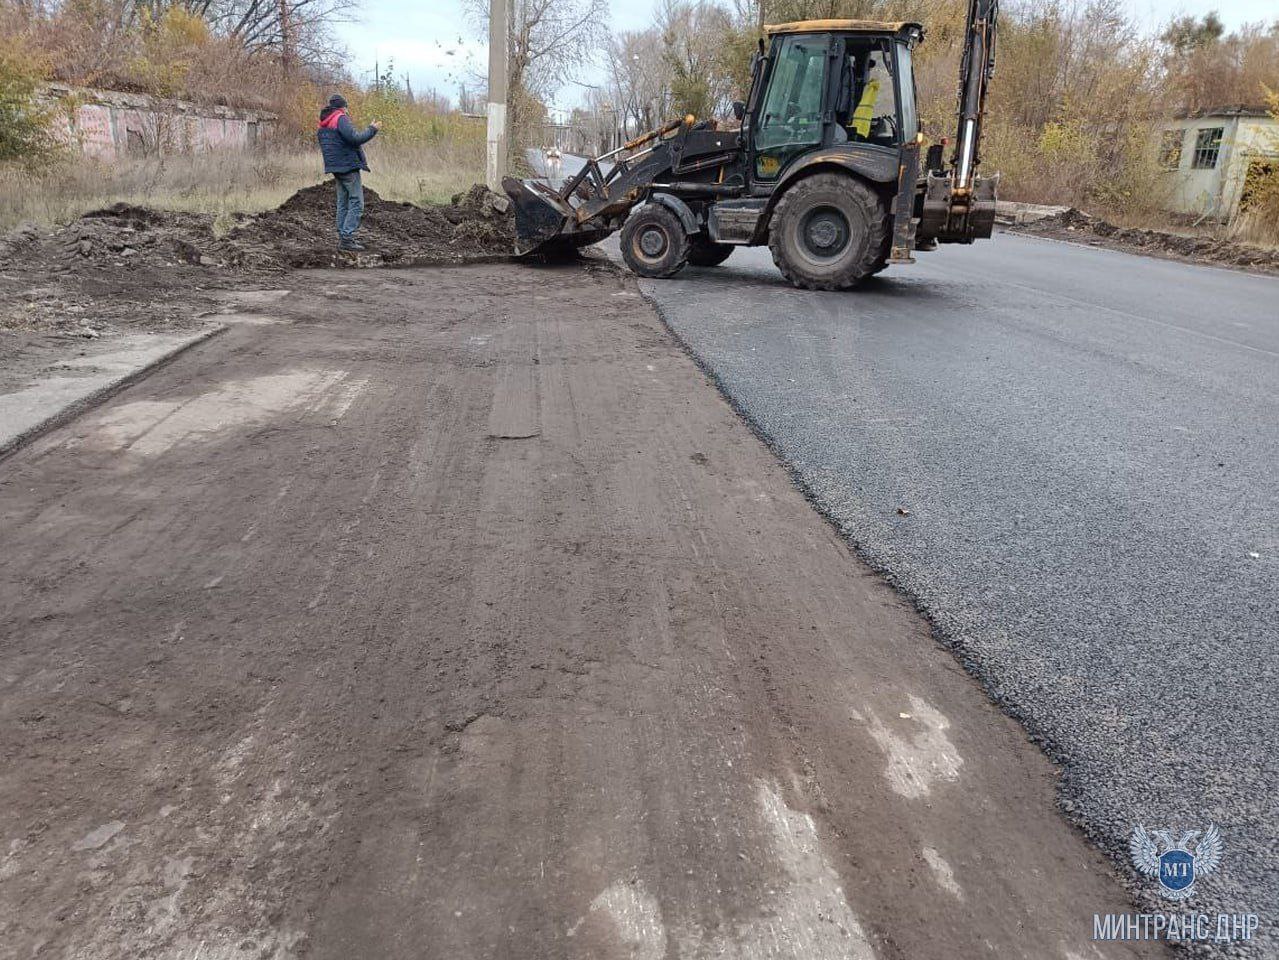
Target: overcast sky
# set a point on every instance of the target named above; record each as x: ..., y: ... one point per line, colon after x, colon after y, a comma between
x: 438, y: 48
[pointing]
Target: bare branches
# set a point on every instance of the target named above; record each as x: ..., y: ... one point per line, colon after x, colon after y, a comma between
x: 297, y: 29
x: 638, y: 84
x: 229, y: 51
x: 692, y: 38
x: 549, y: 42
x: 687, y: 62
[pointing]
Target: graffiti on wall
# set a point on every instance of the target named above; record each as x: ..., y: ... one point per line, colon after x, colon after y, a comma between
x: 108, y: 125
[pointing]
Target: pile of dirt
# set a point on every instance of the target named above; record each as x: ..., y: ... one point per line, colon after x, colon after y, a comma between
x: 132, y: 266
x: 1076, y: 225
x: 120, y: 235
x: 476, y: 226
x: 120, y: 266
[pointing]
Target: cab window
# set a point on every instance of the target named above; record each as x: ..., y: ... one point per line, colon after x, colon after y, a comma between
x: 908, y: 111
x: 867, y: 110
x: 791, y: 119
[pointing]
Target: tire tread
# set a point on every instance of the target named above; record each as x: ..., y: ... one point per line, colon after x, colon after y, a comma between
x: 861, y: 196
x: 676, y: 257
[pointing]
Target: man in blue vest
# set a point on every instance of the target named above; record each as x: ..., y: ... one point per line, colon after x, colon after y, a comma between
x: 343, y: 150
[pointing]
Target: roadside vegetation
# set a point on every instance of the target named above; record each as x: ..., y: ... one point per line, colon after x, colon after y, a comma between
x: 1258, y: 221
x: 201, y: 52
x: 225, y: 184
x: 26, y: 125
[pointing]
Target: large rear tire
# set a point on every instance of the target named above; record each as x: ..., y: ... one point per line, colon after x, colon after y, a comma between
x: 828, y: 232
x: 705, y: 252
x: 881, y: 261
x: 654, y: 243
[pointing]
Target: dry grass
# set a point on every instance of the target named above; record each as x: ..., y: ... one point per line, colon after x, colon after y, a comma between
x: 1259, y: 227
x: 226, y: 183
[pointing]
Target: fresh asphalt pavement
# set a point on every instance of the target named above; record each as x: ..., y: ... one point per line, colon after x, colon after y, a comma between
x: 1068, y: 457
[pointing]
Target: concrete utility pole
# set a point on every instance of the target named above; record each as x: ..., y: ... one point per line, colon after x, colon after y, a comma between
x: 499, y: 10
x: 286, y: 38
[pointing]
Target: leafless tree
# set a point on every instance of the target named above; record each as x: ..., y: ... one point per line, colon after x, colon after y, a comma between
x: 299, y: 30
x: 471, y: 99
x: 692, y: 35
x: 597, y: 124
x: 679, y: 65
x: 638, y: 79
x: 548, y: 44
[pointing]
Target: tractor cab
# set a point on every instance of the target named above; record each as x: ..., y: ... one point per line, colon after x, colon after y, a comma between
x: 844, y: 85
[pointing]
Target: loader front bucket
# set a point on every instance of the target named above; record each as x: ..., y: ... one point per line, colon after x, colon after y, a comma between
x: 541, y: 217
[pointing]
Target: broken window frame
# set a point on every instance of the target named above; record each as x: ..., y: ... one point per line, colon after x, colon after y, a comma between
x: 1207, y: 148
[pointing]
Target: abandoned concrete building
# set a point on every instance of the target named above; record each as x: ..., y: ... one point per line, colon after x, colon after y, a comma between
x: 107, y: 124
x: 1213, y: 156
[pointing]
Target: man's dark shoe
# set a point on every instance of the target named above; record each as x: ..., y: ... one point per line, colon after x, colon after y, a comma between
x: 352, y: 245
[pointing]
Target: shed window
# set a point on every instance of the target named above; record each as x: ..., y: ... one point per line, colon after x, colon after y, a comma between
x: 1207, y: 148
x: 1170, y: 149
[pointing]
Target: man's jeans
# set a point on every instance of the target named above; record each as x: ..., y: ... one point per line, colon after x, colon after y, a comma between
x: 350, y: 203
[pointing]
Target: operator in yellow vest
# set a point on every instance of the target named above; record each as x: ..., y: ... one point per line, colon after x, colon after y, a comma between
x: 858, y: 121
x: 865, y: 111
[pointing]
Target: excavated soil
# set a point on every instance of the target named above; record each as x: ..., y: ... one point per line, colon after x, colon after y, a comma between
x: 474, y: 227
x: 133, y: 267
x: 1077, y: 226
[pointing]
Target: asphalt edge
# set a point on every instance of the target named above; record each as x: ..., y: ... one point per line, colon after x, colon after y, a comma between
x: 90, y: 400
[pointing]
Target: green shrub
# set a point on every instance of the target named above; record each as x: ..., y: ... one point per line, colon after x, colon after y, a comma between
x: 27, y: 127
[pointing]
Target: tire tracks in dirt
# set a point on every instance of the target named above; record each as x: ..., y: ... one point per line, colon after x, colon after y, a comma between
x: 382, y: 680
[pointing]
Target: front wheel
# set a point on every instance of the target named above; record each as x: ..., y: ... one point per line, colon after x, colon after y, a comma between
x: 654, y: 243
x: 828, y: 231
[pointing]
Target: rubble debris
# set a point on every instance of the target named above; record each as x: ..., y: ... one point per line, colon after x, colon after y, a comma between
x: 128, y: 265
x: 1076, y: 225
x: 120, y: 266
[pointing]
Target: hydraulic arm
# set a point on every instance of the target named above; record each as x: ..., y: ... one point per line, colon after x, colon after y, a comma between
x: 977, y: 68
x: 959, y: 206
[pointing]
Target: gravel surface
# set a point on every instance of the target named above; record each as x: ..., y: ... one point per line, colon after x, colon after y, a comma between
x: 1067, y: 457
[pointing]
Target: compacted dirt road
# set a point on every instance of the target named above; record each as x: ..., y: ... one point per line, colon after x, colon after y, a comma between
x: 453, y: 614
